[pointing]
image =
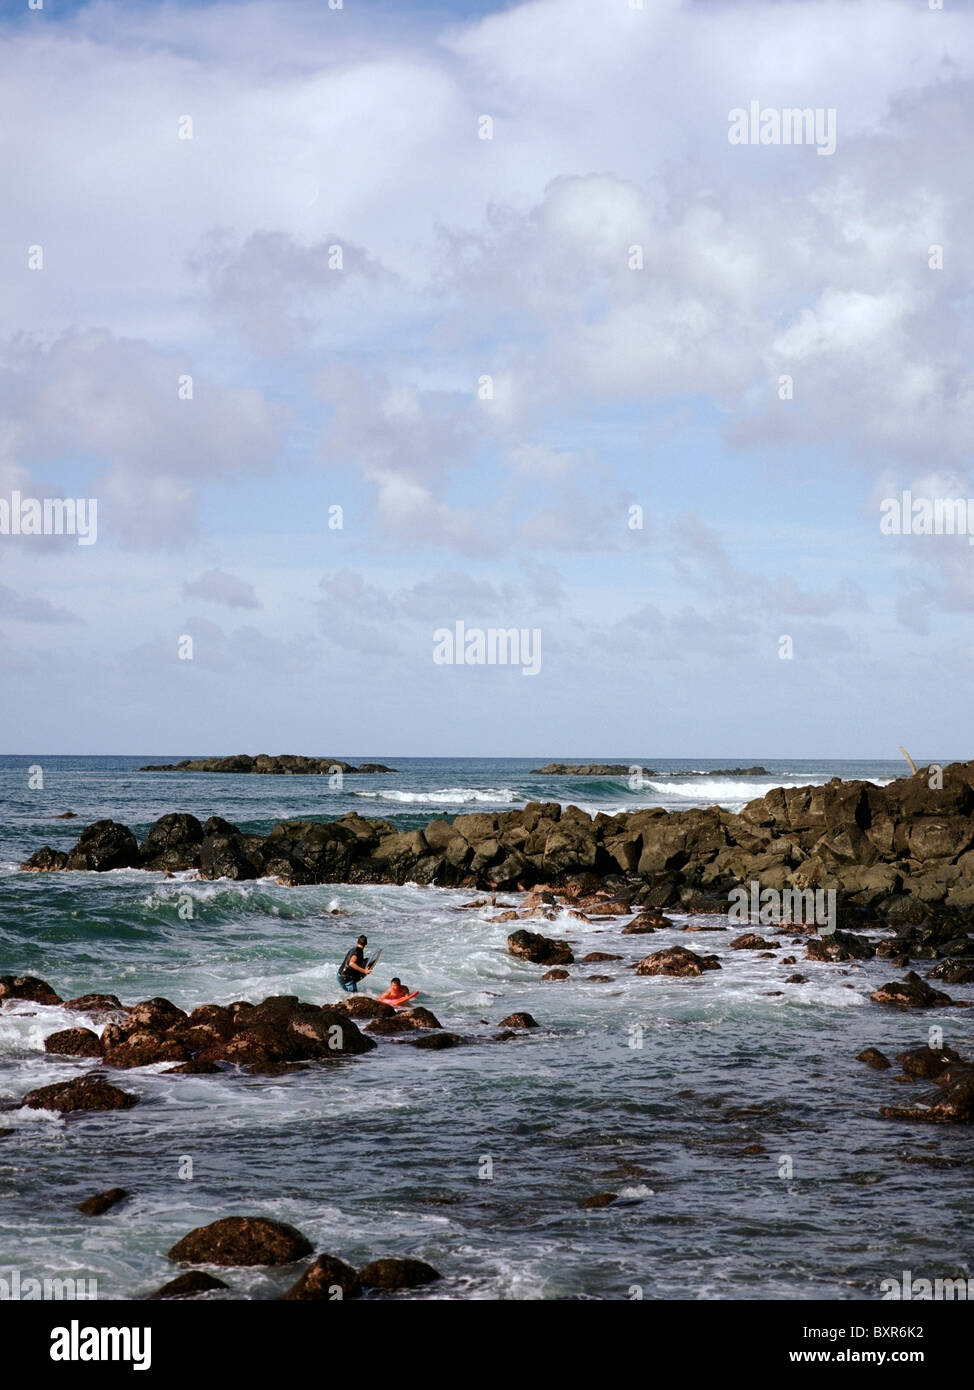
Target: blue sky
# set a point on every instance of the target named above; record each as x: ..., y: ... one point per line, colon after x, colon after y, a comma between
x: 360, y: 386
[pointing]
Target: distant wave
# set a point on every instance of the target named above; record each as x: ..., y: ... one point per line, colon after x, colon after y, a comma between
x: 451, y: 796
x: 721, y: 789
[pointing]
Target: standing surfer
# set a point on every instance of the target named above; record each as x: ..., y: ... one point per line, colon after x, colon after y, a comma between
x: 353, y: 967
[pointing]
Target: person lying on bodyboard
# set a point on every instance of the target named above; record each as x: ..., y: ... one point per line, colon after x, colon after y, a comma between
x: 397, y: 993
x: 354, y: 967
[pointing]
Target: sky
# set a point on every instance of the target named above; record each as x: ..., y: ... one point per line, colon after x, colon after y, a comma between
x: 358, y: 323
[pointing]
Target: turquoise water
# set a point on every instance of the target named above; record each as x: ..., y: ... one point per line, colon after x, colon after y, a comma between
x: 383, y: 1154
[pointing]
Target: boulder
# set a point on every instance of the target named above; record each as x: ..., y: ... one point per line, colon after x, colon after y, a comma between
x: 840, y: 945
x: 955, y: 1106
x: 556, y: 975
x: 95, y: 1004
x: 436, y: 1042
x: 953, y: 972
x: 540, y: 950
x: 909, y: 993
x: 222, y: 856
x: 74, y: 1042
x: 102, y: 1201
x: 83, y: 1093
x: 188, y: 1285
x: 601, y: 1199
x: 27, y: 987
x: 328, y: 1279
x: 927, y: 1062
x: 241, y: 1240
x: 363, y: 1006
x: 751, y: 942
x: 874, y: 1058
x: 45, y: 861
x: 518, y: 1021
x: 676, y: 960
x: 397, y: 1274
x: 103, y: 846
x: 144, y: 1049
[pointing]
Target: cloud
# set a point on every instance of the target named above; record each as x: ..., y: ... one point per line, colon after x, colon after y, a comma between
x: 219, y: 587
x: 29, y: 609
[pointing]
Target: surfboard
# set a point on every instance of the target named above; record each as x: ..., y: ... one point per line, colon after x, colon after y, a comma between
x: 369, y: 963
x: 399, y: 1002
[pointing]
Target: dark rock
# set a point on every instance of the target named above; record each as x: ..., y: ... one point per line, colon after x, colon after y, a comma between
x: 27, y: 987
x: 74, y: 1042
x: 953, y: 972
x: 328, y: 1279
x: 363, y: 1006
x: 909, y: 993
x: 594, y: 956
x: 241, y: 1240
x: 95, y: 1004
x: 45, y: 861
x: 144, y: 1049
x: 187, y: 1285
x: 397, y: 1274
x: 222, y: 856
x: 83, y: 1093
x: 435, y: 1042
x: 796, y: 980
x: 676, y: 960
x: 874, y: 1058
x: 196, y: 1067
x: 556, y: 975
x: 927, y: 1062
x: 751, y: 942
x: 540, y: 950
x: 518, y: 1021
x: 601, y: 1199
x: 839, y: 946
x: 102, y: 1201
x: 955, y: 1106
x: 646, y: 922
x: 103, y: 846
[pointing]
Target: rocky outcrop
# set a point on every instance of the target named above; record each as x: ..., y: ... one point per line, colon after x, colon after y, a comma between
x: 873, y: 1058
x: 27, y: 987
x: 74, y: 1042
x: 518, y: 1021
x: 241, y: 1240
x: 910, y: 993
x: 281, y: 763
x: 397, y: 1274
x: 901, y: 855
x: 583, y: 770
x: 91, y: 1092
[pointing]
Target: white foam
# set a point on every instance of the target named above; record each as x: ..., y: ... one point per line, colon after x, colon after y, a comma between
x: 452, y: 796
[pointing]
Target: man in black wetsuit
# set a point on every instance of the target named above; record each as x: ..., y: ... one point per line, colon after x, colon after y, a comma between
x: 353, y: 967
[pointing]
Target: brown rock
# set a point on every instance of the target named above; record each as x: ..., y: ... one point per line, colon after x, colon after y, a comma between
x: 397, y: 1274
x: 594, y: 956
x: 676, y: 960
x: 74, y: 1042
x: 518, y: 1021
x: 601, y: 1199
x: 329, y: 1279
x: 436, y: 1042
x: 83, y: 1093
x: 540, y: 950
x: 556, y: 975
x: 874, y: 1058
x: 27, y: 987
x: 909, y: 993
x: 751, y: 942
x: 241, y: 1240
x: 187, y: 1285
x: 102, y: 1201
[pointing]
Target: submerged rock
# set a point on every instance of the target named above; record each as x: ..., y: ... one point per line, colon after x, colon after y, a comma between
x: 540, y: 950
x: 601, y: 1199
x: 518, y: 1021
x: 397, y: 1274
x: 103, y: 1201
x: 187, y: 1285
x: 909, y: 993
x: 874, y: 1058
x: 241, y: 1240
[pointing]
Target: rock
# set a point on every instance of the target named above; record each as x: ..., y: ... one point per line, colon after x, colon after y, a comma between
x: 927, y: 1062
x: 103, y: 846
x: 27, y: 987
x: 95, y: 1004
x: 67, y: 815
x: 796, y: 980
x: 751, y: 942
x: 874, y: 1058
x: 404, y: 1021
x: 222, y: 856
x: 601, y: 1199
x: 328, y: 1279
x: 646, y: 922
x: 583, y: 770
x: 955, y: 1106
x: 187, y: 1285
x: 909, y: 993
x: 397, y: 1274
x: 676, y: 960
x: 45, y: 861
x: 839, y: 946
x: 102, y: 1201
x: 194, y: 1068
x: 518, y: 1021
x: 74, y: 1042
x: 364, y: 1006
x: 435, y: 1042
x: 89, y: 1092
x: 594, y: 956
x: 953, y: 973
x: 241, y: 1240
x: 154, y: 1016
x: 540, y: 950
x: 293, y: 764
x: 556, y: 975
x: 143, y: 1049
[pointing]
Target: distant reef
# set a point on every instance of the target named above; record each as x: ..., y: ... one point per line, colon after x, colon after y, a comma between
x: 280, y: 763
x: 622, y: 770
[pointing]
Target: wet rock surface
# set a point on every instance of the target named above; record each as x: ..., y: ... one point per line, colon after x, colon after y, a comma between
x: 241, y: 1240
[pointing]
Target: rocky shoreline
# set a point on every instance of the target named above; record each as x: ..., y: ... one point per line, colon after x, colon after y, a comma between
x: 624, y: 770
x: 293, y: 764
x: 901, y: 854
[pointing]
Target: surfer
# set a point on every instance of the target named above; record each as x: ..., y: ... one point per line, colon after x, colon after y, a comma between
x: 353, y: 967
x: 397, y: 993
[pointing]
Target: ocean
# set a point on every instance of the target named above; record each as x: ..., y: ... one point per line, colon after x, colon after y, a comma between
x: 728, y: 1113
